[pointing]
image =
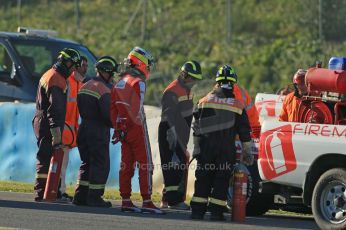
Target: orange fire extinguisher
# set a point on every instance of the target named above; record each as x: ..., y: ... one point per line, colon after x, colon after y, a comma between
x: 240, y: 177
x: 53, y: 178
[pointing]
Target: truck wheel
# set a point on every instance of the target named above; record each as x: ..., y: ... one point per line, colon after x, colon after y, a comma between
x: 329, y: 200
x: 257, y: 204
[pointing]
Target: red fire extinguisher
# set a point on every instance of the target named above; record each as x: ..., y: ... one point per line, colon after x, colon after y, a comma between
x: 52, y: 185
x: 240, y: 177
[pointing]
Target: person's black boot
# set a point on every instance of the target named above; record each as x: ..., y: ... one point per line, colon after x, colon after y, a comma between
x: 79, y: 200
x: 67, y: 197
x: 217, y: 216
x: 99, y: 203
x: 197, y: 216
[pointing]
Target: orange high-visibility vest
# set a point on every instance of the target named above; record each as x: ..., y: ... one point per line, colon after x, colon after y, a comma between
x: 290, y: 108
x: 251, y: 111
x: 72, y: 114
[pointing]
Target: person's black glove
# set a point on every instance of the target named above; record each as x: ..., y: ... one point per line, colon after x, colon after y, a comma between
x: 56, y: 136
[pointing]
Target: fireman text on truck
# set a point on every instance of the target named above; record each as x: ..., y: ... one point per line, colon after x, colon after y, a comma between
x: 320, y: 130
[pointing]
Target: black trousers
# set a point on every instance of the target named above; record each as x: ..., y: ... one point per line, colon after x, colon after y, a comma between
x: 214, y: 167
x: 174, y: 173
x: 93, y: 145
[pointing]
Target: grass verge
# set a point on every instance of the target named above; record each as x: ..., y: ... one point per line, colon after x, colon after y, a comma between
x: 110, y: 193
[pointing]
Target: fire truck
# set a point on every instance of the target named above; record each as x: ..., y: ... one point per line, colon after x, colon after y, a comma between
x: 304, y: 163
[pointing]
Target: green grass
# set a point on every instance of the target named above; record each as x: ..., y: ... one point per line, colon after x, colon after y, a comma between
x: 282, y: 212
x: 110, y: 193
x: 12, y: 186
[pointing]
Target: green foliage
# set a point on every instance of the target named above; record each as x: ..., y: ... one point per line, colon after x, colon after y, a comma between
x: 270, y: 39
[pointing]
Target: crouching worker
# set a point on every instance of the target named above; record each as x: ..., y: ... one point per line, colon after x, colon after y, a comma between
x: 94, y: 135
x: 218, y: 118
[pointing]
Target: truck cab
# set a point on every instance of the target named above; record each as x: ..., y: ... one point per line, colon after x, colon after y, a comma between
x: 27, y: 54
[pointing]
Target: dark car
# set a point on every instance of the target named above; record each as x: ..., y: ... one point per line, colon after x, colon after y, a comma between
x: 25, y: 56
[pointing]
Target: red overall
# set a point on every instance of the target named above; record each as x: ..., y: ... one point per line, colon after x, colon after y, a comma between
x: 127, y: 106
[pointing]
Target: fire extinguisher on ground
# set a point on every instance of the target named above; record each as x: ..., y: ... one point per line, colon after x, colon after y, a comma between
x: 53, y: 178
x: 240, y: 178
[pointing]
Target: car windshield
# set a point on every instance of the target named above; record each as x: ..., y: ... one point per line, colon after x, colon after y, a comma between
x: 39, y: 55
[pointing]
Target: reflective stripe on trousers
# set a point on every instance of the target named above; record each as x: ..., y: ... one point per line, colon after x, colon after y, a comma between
x: 217, y: 202
x: 199, y: 200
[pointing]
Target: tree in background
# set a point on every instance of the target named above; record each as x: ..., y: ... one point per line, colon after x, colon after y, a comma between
x: 269, y: 39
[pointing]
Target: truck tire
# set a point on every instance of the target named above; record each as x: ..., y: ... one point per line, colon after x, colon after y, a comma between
x: 257, y: 203
x: 329, y: 200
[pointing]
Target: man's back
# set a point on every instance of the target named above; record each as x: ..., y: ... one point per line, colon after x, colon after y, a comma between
x: 219, y: 111
x: 290, y: 108
x: 128, y: 95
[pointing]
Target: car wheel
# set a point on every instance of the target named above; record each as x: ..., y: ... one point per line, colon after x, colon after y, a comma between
x: 329, y: 200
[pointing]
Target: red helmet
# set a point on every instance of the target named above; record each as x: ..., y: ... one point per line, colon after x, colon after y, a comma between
x: 299, y: 77
x: 142, y: 60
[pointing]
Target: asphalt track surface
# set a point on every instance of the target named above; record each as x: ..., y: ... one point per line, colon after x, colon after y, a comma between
x: 18, y: 211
